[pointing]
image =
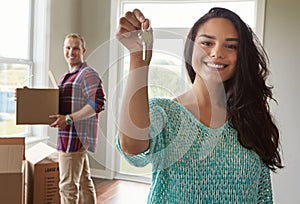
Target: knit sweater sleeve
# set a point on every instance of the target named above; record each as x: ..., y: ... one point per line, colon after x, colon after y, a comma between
x: 265, y: 187
x: 158, y: 120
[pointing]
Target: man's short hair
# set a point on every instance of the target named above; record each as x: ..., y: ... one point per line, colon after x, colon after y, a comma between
x: 76, y: 35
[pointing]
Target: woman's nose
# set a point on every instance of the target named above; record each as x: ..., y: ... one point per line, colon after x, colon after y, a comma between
x: 217, y: 52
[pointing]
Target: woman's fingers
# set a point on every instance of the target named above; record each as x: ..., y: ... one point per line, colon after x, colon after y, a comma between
x: 130, y: 25
x: 139, y: 15
x: 133, y: 21
x: 146, y: 24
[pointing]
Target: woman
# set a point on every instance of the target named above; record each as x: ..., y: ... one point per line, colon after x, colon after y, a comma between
x: 217, y: 142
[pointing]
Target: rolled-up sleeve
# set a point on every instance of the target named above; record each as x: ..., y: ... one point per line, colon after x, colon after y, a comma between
x: 94, y: 91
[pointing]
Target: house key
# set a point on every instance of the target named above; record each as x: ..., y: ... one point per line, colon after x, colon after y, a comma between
x: 147, y: 37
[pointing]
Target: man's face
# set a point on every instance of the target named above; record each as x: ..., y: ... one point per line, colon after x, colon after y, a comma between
x: 73, y: 51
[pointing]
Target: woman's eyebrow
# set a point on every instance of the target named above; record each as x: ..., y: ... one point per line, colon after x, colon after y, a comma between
x: 214, y: 38
x: 232, y: 39
x: 207, y: 36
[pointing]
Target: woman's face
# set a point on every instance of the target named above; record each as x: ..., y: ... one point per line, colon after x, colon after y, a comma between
x: 215, y: 50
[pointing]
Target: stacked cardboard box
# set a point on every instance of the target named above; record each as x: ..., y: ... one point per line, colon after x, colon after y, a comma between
x: 42, y: 172
x: 42, y: 175
x: 12, y: 170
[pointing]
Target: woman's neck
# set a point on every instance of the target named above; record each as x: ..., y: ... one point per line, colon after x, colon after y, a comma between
x: 212, y: 94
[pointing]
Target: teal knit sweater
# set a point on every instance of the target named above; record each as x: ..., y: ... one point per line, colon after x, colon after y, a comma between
x: 193, y: 164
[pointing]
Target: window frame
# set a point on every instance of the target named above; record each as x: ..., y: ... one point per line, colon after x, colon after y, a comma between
x: 40, y: 55
x: 24, y: 61
x: 38, y: 60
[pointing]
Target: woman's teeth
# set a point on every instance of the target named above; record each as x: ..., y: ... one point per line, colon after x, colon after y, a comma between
x: 216, y: 66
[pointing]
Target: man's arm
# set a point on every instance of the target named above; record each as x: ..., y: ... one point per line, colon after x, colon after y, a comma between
x: 86, y: 112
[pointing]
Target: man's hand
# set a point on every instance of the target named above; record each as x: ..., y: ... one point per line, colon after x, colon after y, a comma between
x: 60, y: 121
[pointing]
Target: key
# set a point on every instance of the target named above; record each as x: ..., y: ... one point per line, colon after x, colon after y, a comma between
x: 147, y: 37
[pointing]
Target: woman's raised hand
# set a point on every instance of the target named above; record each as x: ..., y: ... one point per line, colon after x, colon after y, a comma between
x: 128, y: 33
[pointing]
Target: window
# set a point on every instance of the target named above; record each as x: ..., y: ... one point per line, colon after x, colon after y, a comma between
x: 171, y: 21
x: 15, y: 60
x: 23, y: 58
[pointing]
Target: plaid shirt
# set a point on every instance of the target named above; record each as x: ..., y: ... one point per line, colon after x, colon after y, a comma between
x: 77, y: 89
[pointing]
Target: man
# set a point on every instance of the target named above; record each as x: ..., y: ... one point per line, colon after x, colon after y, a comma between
x: 81, y: 99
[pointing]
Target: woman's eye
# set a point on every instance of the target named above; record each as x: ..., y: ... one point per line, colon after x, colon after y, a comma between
x: 234, y: 47
x: 206, y: 43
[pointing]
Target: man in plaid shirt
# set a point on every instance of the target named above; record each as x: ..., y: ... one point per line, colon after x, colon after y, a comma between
x: 81, y: 99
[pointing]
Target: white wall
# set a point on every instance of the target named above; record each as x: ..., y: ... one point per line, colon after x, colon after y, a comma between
x: 282, y: 42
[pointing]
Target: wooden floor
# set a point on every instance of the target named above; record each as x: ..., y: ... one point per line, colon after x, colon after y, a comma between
x: 121, y: 192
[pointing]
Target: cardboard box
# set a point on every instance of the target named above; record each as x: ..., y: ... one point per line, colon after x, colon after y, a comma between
x: 42, y: 177
x: 12, y: 152
x: 12, y: 188
x: 35, y: 105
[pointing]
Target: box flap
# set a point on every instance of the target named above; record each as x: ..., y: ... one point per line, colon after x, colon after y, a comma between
x: 12, y: 141
x: 39, y: 152
x: 12, y: 153
x: 11, y: 157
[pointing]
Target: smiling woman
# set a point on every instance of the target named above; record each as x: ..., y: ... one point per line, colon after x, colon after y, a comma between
x: 167, y: 76
x: 214, y: 128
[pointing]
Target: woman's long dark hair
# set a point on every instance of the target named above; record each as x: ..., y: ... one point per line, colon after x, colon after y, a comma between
x: 247, y: 93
